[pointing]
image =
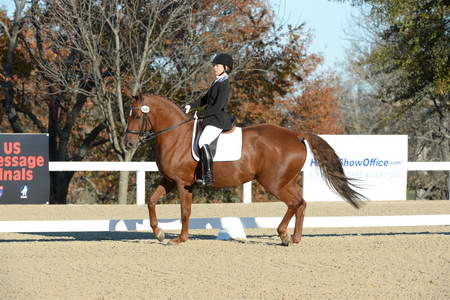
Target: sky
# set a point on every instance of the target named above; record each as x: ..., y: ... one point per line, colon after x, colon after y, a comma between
x: 327, y: 21
x: 9, y: 4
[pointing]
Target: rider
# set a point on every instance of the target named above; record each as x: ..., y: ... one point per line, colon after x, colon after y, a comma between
x: 215, y: 116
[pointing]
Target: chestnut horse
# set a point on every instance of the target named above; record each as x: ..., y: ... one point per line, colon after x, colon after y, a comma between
x: 271, y: 154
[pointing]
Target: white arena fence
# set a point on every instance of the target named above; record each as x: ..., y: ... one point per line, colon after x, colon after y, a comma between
x: 141, y: 167
x: 229, y: 227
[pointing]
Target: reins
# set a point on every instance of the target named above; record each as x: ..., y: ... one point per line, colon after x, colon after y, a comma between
x: 149, y: 135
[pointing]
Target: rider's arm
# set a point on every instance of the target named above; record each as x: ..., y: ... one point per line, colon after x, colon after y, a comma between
x: 220, y: 102
x: 199, y: 102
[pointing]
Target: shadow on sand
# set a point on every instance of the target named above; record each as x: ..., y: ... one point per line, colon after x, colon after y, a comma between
x: 269, y: 239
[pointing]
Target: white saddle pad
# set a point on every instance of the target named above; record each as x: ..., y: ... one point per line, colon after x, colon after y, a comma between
x: 229, y: 146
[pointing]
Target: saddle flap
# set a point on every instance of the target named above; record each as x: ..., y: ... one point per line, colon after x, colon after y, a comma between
x: 198, y: 130
x: 227, y: 147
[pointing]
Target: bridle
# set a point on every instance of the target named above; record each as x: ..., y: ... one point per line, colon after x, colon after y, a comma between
x: 149, y: 134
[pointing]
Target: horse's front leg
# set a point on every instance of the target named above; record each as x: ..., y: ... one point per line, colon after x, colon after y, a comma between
x: 162, y: 189
x: 186, y: 203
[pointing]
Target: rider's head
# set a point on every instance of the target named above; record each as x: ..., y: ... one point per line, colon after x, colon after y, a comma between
x: 222, y: 63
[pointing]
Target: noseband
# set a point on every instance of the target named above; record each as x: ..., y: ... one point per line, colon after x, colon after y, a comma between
x: 145, y: 119
x: 148, y: 135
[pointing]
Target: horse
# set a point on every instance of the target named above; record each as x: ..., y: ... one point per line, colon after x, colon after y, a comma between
x: 271, y: 154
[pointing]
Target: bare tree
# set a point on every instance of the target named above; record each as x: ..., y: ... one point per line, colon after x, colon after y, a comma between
x: 12, y: 31
x: 88, y: 50
x: 119, y: 45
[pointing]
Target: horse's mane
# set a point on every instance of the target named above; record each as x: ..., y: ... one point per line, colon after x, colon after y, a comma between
x: 167, y: 103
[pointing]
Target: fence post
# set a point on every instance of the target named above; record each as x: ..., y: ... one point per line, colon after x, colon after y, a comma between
x: 140, y: 187
x: 247, y: 192
x: 448, y: 185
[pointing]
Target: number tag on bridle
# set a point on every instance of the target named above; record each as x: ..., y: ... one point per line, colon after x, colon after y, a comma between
x: 145, y: 109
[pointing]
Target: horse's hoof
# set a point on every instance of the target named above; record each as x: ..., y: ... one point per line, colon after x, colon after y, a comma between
x: 173, y: 242
x: 286, y: 240
x: 160, y: 236
x: 176, y: 241
x: 295, y: 240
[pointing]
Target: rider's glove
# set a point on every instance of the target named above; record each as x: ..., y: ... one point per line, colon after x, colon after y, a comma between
x: 187, y: 108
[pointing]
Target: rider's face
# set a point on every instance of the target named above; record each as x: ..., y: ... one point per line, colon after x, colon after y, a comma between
x: 218, y: 69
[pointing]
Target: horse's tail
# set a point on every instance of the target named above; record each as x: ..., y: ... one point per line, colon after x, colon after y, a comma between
x: 331, y: 169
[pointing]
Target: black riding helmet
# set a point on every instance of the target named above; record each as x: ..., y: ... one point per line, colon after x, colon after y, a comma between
x: 223, y: 59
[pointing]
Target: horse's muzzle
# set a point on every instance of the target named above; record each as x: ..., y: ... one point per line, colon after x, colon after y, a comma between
x: 129, y: 143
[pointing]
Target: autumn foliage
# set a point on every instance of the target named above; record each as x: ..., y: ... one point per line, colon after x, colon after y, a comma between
x: 66, y: 74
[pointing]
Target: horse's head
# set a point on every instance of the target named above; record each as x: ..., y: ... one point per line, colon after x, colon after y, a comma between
x: 150, y: 116
x: 139, y: 123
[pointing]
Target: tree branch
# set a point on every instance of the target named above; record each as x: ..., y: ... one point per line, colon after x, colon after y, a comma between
x: 6, y: 29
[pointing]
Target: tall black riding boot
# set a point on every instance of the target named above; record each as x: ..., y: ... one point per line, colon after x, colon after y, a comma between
x: 207, y: 165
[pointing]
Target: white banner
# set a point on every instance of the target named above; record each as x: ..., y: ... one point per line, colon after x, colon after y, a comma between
x: 378, y: 162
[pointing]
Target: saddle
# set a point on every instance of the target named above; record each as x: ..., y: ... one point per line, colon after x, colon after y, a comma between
x: 226, y: 147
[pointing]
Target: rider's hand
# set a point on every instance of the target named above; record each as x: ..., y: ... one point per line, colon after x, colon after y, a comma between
x: 187, y: 108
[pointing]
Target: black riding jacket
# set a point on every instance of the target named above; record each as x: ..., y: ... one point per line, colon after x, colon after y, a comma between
x: 216, y: 100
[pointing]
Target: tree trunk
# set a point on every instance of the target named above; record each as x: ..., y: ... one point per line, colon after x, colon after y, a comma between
x: 124, y: 178
x: 59, y: 186
x: 123, y: 187
x: 446, y: 152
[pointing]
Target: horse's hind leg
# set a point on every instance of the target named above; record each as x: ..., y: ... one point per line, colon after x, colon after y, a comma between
x: 163, y: 188
x: 290, y: 195
x: 299, y: 217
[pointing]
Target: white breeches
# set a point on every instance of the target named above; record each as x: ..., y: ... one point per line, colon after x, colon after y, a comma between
x: 209, y: 134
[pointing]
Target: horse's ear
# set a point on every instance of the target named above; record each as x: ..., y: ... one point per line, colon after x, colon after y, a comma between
x: 127, y: 92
